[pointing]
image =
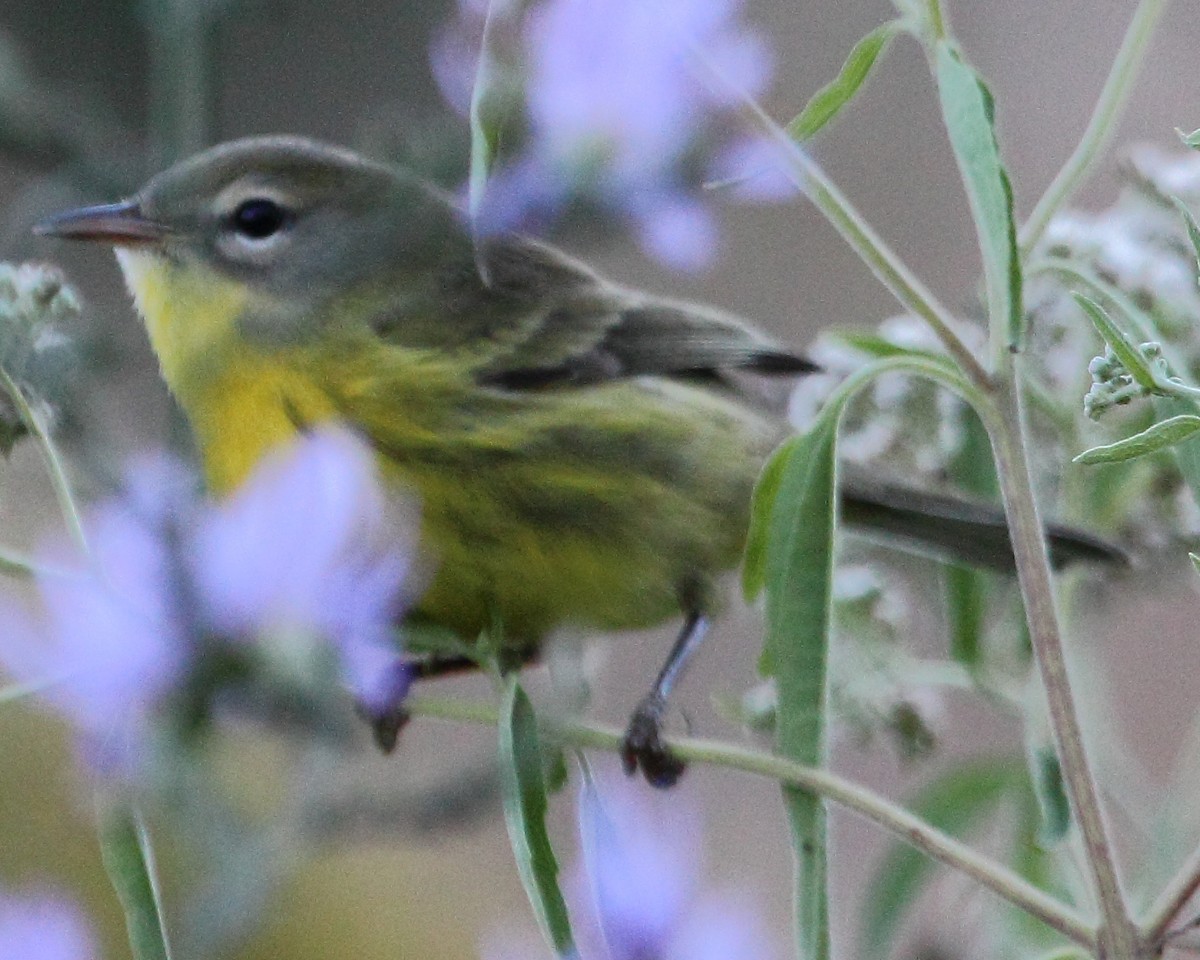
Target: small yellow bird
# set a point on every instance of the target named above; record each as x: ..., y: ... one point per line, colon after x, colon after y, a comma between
x: 582, y: 451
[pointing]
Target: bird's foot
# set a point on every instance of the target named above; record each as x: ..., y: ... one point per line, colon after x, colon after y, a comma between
x: 382, y: 706
x: 385, y: 725
x: 643, y: 745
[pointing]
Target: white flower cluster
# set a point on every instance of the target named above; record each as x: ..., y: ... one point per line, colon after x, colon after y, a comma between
x: 1138, y: 248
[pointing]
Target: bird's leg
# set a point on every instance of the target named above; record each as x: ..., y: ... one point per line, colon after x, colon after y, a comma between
x: 643, y: 746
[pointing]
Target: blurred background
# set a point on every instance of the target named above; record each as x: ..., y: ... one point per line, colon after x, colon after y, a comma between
x: 435, y: 878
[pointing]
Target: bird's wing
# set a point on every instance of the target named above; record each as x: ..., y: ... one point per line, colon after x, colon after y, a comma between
x: 578, y: 329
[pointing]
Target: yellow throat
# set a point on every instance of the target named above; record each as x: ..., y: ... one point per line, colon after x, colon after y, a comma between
x: 241, y: 401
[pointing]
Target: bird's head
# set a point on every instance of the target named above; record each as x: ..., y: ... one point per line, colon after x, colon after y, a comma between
x: 266, y: 239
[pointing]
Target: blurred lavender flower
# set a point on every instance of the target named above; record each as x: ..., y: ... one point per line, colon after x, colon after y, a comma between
x: 640, y: 870
x: 112, y: 642
x: 295, y: 562
x: 305, y: 548
x: 43, y: 926
x: 616, y: 112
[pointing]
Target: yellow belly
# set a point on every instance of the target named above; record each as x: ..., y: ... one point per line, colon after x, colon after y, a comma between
x: 597, y: 507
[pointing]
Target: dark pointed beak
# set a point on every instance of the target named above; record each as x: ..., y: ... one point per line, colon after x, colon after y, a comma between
x: 119, y: 224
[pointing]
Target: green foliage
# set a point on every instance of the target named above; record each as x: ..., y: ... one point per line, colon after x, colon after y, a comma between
x: 1159, y: 436
x: 1131, y: 358
x: 955, y: 803
x: 798, y: 579
x: 523, y: 791
x: 36, y: 307
x: 1051, y: 794
x: 967, y: 590
x: 1190, y: 139
x: 129, y: 860
x: 967, y: 110
x: 827, y: 103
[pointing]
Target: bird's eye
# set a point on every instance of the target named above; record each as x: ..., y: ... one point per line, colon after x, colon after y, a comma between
x: 259, y: 218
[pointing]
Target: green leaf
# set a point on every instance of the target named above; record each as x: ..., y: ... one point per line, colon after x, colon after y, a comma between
x: 873, y: 345
x: 968, y: 590
x: 761, y: 503
x: 1047, y: 778
x: 1034, y: 861
x: 828, y: 102
x: 1187, y: 453
x: 1165, y: 433
x: 487, y: 110
x: 799, y: 584
x: 1190, y: 139
x: 523, y: 791
x: 967, y: 110
x: 966, y: 603
x: 1125, y: 349
x: 1192, y: 229
x: 1195, y: 558
x: 955, y: 802
x: 129, y: 860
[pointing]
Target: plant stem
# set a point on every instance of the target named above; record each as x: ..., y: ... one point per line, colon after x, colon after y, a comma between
x: 1171, y: 900
x: 871, y: 248
x: 937, y: 20
x: 1118, y: 934
x: 50, y: 455
x: 875, y: 808
x: 887, y: 266
x: 1101, y: 125
x: 183, y: 88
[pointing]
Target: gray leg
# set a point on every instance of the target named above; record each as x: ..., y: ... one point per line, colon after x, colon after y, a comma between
x: 643, y: 746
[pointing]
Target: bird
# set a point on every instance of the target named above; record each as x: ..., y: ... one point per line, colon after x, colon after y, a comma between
x: 584, y: 453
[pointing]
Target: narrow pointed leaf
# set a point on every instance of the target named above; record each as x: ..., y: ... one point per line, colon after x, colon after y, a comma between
x: 523, y: 791
x: 1190, y: 139
x: 967, y: 590
x: 1125, y: 349
x: 484, y: 119
x: 1165, y: 433
x: 1053, y: 805
x: 955, y: 802
x: 967, y: 110
x: 828, y: 102
x: 1192, y: 229
x: 129, y: 860
x: 1195, y: 558
x: 755, y: 558
x: 1187, y: 453
x: 799, y: 576
x: 873, y: 345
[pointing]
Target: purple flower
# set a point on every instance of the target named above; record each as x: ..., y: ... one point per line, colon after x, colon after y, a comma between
x: 110, y: 645
x: 306, y: 547
x: 43, y: 927
x: 638, y: 859
x: 305, y: 552
x: 640, y: 875
x: 617, y: 108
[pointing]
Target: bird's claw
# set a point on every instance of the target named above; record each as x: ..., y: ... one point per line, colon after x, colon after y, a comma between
x: 385, y: 725
x: 643, y: 746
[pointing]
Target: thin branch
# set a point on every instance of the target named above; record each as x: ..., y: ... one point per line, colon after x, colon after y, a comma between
x: 1118, y: 935
x: 926, y: 838
x: 1174, y: 897
x: 54, y: 464
x: 1101, y: 126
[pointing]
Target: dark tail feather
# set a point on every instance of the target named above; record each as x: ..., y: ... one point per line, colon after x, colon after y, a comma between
x: 958, y: 530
